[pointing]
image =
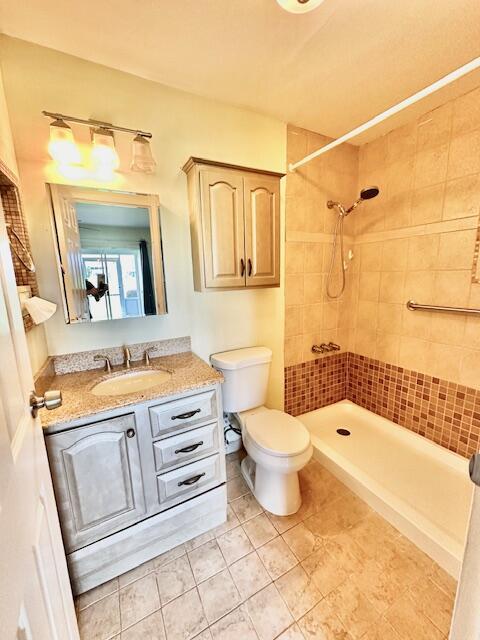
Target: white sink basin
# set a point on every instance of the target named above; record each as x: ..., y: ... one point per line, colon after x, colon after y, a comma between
x: 130, y: 382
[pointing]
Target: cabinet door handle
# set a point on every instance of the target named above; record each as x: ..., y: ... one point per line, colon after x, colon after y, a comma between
x: 130, y: 433
x: 242, y: 267
x: 249, y: 267
x: 190, y: 448
x: 185, y: 416
x: 192, y: 480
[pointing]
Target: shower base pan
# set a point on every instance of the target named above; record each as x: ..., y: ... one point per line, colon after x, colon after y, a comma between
x: 421, y: 488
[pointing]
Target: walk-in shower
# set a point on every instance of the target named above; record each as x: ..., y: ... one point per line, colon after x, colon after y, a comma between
x: 365, y: 194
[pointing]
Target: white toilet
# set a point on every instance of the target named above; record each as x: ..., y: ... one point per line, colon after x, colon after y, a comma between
x: 277, y: 444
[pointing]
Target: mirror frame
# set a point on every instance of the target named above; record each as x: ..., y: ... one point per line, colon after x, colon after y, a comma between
x: 61, y: 197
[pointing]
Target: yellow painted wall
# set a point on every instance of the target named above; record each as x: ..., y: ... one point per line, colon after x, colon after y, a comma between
x: 182, y: 124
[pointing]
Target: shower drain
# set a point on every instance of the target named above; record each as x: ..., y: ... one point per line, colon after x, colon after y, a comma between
x: 343, y: 432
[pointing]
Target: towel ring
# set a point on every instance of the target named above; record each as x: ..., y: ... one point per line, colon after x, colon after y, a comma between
x: 26, y: 259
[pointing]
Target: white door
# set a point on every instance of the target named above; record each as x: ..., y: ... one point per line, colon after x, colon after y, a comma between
x: 35, y: 596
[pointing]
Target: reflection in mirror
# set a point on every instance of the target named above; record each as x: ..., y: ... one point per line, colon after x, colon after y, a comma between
x: 110, y: 256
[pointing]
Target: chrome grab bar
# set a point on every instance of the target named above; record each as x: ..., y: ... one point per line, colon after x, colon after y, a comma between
x: 413, y: 306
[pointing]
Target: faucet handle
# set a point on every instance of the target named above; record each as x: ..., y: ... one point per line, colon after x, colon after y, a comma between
x: 147, y: 354
x: 108, y: 364
x: 128, y: 356
x: 334, y: 347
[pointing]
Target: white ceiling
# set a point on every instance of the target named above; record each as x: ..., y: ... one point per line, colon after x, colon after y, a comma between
x: 328, y: 70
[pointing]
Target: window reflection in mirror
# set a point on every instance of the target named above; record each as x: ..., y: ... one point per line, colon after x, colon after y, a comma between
x: 109, y: 251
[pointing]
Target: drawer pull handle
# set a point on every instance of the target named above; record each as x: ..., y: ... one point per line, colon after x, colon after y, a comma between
x: 192, y: 480
x: 185, y: 416
x: 130, y: 433
x: 190, y: 448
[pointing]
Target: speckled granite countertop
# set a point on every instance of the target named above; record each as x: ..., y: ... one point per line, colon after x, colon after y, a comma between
x: 189, y: 372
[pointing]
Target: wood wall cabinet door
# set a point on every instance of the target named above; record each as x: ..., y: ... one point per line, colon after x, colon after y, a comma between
x: 97, y: 479
x: 262, y: 230
x: 221, y: 194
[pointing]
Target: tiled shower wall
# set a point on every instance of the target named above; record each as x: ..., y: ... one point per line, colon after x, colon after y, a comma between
x: 415, y: 241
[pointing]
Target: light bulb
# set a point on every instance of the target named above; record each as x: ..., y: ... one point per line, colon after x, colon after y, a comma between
x: 299, y: 6
x: 142, y: 158
x: 62, y: 147
x: 104, y: 154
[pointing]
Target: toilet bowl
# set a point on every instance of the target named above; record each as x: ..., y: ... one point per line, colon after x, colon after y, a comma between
x: 278, y: 446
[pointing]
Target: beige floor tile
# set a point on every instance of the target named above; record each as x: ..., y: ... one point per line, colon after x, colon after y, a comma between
x: 233, y: 467
x: 381, y: 631
x: 150, y: 628
x: 321, y: 623
x: 269, y: 613
x: 352, y: 607
x: 284, y: 523
x: 324, y: 571
x: 206, y: 560
x: 260, y: 530
x: 231, y: 523
x: 298, y: 591
x: 246, y: 507
x: 89, y: 597
x: 292, y: 633
x: 381, y: 588
x: 409, y: 623
x: 236, y: 487
x: 249, y: 575
x: 375, y: 536
x: 219, y: 596
x: 184, y: 617
x: 138, y: 600
x: 168, y: 556
x: 174, y: 578
x: 136, y: 573
x: 346, y: 553
x: 444, y: 580
x: 337, y: 516
x: 277, y: 557
x: 205, y: 635
x: 234, y: 545
x: 302, y: 541
x: 434, y: 603
x: 192, y: 544
x: 100, y: 620
x: 234, y: 626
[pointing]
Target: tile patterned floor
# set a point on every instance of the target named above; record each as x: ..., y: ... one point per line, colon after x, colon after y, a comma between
x: 333, y: 571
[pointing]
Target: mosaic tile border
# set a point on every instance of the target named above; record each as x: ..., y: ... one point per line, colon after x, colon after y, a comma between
x: 444, y: 412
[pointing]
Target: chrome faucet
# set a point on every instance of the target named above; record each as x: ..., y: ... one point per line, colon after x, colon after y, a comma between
x: 108, y: 364
x: 128, y: 357
x: 147, y: 355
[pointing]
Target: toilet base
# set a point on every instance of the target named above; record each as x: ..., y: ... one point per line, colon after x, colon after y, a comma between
x: 278, y: 493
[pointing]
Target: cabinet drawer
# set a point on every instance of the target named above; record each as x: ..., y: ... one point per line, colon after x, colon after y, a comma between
x: 186, y: 446
x: 182, y: 413
x: 188, y: 481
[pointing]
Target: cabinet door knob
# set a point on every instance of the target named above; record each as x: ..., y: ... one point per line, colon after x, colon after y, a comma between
x: 242, y: 267
x: 130, y: 433
x: 50, y: 400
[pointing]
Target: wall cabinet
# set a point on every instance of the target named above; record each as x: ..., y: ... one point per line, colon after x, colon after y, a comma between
x: 235, y: 225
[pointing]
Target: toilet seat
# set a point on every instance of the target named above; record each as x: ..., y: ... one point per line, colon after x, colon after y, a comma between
x: 277, y: 433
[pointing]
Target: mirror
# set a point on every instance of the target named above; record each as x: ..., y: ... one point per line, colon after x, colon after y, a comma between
x: 109, y: 253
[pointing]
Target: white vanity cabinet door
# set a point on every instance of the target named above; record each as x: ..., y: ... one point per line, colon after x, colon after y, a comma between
x: 176, y: 450
x: 97, y: 479
x: 183, y: 413
x: 188, y: 481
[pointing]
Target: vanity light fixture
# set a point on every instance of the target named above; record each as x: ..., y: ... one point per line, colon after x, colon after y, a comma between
x: 104, y: 154
x: 62, y: 147
x: 105, y: 158
x: 299, y: 6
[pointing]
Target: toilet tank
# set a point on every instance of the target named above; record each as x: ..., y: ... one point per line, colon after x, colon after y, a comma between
x: 246, y: 377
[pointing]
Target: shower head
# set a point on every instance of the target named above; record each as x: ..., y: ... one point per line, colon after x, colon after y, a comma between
x: 365, y: 194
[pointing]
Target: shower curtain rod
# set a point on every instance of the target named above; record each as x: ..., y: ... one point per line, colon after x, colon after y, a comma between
x: 423, y: 93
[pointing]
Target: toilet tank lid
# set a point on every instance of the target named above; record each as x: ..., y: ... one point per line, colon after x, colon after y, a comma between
x: 239, y: 358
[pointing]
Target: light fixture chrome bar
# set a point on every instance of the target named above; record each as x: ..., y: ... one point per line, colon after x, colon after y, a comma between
x: 414, y: 306
x: 95, y: 123
x: 423, y: 93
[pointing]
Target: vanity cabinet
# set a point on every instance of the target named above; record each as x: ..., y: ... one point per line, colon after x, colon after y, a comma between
x: 235, y: 225
x: 98, y: 479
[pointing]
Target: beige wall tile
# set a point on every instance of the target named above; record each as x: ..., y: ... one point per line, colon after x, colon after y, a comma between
x: 293, y: 350
x: 397, y: 212
x: 462, y: 197
x: 369, y: 286
x: 395, y: 254
x: 400, y: 176
x: 413, y: 353
x: 401, y: 143
x: 293, y: 290
x: 415, y: 324
x: 419, y: 286
x: 371, y: 256
x: 470, y: 369
x: 313, y: 287
x: 387, y: 347
x: 434, y: 127
x: 452, y: 288
x: 444, y: 360
x: 464, y: 158
x: 447, y: 328
x: 389, y: 317
x: 456, y: 249
x: 294, y: 257
x: 466, y: 112
x: 367, y: 315
x: 312, y: 317
x: 294, y: 320
x: 314, y: 257
x: 431, y: 166
x: 295, y: 212
x: 392, y: 286
x: 427, y: 204
x: 422, y: 252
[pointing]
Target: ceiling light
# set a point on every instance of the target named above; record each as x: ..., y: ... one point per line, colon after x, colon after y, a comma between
x: 104, y: 154
x: 62, y: 147
x: 142, y: 158
x: 299, y: 6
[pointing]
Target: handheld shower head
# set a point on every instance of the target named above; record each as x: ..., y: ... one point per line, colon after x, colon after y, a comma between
x: 369, y: 192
